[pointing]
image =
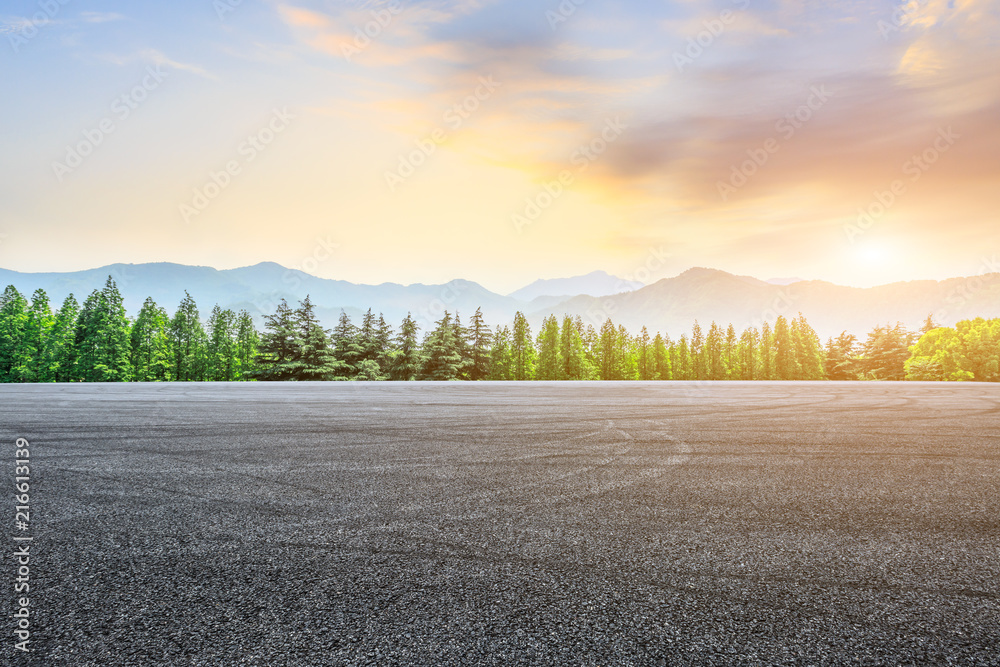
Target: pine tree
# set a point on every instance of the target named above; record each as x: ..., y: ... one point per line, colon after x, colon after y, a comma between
x: 748, y: 355
x: 662, y: 368
x: 314, y: 358
x: 368, y: 337
x: 522, y: 349
x: 61, y: 344
x: 809, y: 351
x: 766, y: 353
x: 103, y: 339
x: 406, y: 360
x: 462, y: 348
x: 785, y: 364
x: 680, y: 360
x: 38, y: 326
x: 383, y: 345
x: 150, y: 344
x: 608, y: 351
x: 440, y: 352
x: 628, y: 366
x: 501, y: 356
x: 576, y: 366
x: 188, y: 342
x: 729, y: 354
x: 840, y: 362
x: 13, y: 320
x: 279, y: 345
x: 550, y: 364
x: 480, y: 344
x: 347, y: 346
x: 247, y: 346
x: 699, y: 361
x: 713, y: 353
x: 221, y: 352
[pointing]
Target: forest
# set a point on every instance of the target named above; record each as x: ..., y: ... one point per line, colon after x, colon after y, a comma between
x: 98, y: 342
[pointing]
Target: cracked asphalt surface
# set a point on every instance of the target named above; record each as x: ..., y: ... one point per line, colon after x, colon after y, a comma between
x: 502, y: 523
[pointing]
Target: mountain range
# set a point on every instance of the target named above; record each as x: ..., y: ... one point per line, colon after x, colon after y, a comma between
x: 670, y: 305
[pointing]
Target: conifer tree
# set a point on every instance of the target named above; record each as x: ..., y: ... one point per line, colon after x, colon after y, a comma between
x: 13, y: 320
x: 150, y: 341
x: 221, y: 354
x: 501, y: 356
x: 440, y: 352
x: 247, y: 346
x: 550, y: 364
x: 480, y: 345
x: 38, y: 327
x: 315, y: 359
x: 347, y: 346
x: 61, y: 344
x: 576, y: 366
x: 766, y: 353
x: 786, y: 366
x: 662, y: 368
x: 103, y: 337
x: 188, y: 342
x: 406, y: 361
x: 699, y: 361
x: 522, y: 349
x: 279, y: 345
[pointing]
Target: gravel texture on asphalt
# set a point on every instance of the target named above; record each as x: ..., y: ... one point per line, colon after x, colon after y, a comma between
x: 504, y: 524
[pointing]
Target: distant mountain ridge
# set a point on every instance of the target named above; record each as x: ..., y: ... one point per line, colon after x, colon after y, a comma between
x: 670, y: 305
x: 595, y: 283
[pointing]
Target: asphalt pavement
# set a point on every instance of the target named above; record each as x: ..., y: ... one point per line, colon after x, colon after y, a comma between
x: 506, y: 524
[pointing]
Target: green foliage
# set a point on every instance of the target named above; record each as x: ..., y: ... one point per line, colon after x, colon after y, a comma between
x: 103, y: 340
x: 188, y: 342
x: 150, y: 340
x: 96, y: 342
x: 480, y: 339
x: 522, y: 349
x: 969, y: 351
x: 442, y: 360
x: 550, y: 364
x: 405, y: 360
x: 13, y: 322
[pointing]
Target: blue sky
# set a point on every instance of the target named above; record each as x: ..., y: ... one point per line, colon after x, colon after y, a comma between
x: 854, y: 142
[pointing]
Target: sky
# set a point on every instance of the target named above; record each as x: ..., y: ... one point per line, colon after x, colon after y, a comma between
x: 504, y: 141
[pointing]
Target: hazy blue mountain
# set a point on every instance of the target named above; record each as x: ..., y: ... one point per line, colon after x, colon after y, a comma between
x: 259, y: 288
x: 595, y: 283
x: 670, y: 305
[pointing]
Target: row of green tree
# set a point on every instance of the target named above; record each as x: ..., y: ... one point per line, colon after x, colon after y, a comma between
x: 98, y: 342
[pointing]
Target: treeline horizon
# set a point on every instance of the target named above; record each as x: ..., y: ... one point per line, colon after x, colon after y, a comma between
x: 98, y: 342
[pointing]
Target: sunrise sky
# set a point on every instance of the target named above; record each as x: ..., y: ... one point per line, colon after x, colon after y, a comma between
x: 503, y: 141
